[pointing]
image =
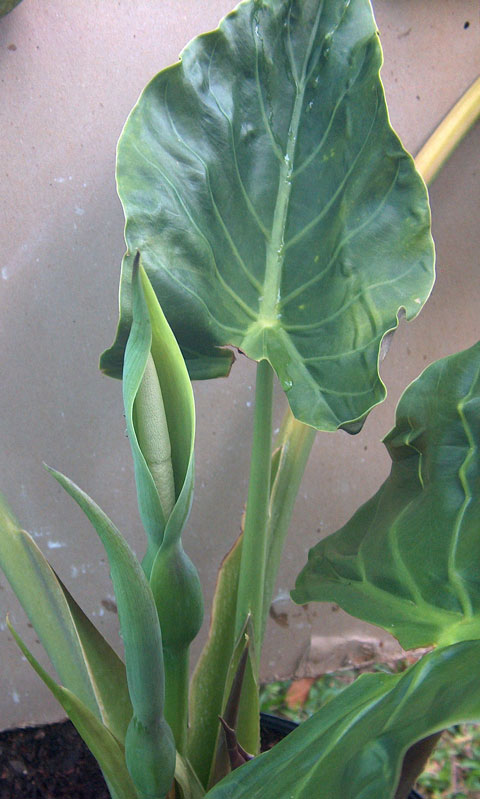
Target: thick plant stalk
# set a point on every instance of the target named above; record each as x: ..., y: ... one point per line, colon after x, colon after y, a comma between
x: 449, y: 133
x: 251, y: 580
x: 295, y: 441
x: 254, y: 549
x: 287, y: 466
x: 176, y: 664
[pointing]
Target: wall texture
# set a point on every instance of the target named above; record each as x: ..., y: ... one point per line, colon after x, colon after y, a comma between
x: 69, y: 74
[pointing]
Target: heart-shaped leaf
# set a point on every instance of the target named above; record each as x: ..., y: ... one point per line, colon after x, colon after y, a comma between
x: 353, y: 747
x: 274, y: 208
x: 408, y: 559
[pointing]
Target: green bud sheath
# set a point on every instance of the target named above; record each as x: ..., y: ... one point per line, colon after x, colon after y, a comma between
x: 178, y: 596
x: 150, y: 756
x: 152, y: 435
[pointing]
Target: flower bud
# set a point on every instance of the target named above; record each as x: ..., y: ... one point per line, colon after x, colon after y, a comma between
x: 152, y: 434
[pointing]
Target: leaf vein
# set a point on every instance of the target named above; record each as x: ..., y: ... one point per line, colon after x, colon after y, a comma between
x: 276, y: 149
x: 455, y: 576
x: 317, y: 150
x: 219, y: 217
x: 354, y: 232
x: 248, y: 202
x: 314, y: 222
x: 345, y: 307
x: 176, y: 279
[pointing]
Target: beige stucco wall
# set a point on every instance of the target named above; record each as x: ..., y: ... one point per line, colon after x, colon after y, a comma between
x: 69, y: 74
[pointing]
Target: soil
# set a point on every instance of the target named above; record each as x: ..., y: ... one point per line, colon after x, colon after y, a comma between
x: 48, y: 762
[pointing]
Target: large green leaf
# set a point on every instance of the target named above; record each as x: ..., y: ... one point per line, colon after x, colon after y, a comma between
x: 408, y: 559
x: 84, y: 661
x: 353, y: 747
x: 274, y: 208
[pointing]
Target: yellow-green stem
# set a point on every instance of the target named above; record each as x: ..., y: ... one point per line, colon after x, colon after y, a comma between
x: 449, y: 133
x: 295, y: 441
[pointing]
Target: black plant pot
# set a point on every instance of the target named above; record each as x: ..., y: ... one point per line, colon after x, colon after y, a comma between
x: 273, y: 729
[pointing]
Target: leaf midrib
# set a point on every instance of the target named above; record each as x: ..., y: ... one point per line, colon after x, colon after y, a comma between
x: 275, y: 252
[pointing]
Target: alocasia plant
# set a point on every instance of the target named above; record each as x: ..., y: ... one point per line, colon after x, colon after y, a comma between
x: 271, y: 209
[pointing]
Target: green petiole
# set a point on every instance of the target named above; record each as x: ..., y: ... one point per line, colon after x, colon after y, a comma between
x: 254, y: 550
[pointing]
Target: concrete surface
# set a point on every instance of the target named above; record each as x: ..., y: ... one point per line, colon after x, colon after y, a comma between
x: 69, y: 74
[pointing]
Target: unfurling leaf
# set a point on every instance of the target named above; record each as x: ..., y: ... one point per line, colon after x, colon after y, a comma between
x: 160, y: 416
x: 236, y: 753
x: 207, y: 697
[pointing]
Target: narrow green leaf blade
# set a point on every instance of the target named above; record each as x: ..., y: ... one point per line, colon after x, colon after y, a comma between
x: 187, y: 781
x: 210, y: 675
x: 83, y: 660
x: 408, y: 559
x: 106, y: 669
x: 353, y: 748
x: 104, y: 746
x: 274, y: 207
x: 149, y: 747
